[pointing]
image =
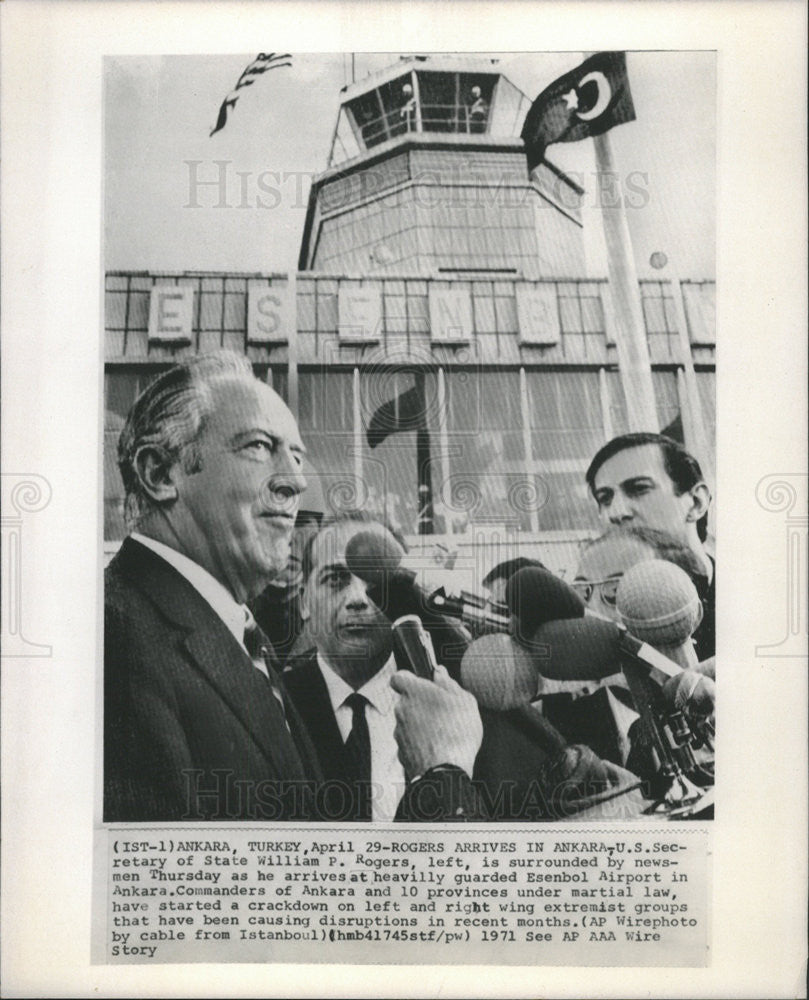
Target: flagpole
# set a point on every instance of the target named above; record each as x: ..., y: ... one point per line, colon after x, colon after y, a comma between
x: 425, y: 485
x: 694, y: 427
x: 357, y: 422
x: 634, y: 362
x: 425, y: 490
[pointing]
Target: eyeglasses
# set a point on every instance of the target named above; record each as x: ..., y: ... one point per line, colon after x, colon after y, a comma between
x: 607, y: 589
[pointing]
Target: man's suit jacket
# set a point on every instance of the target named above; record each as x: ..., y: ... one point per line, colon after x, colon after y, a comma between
x: 527, y: 770
x: 443, y: 796
x: 307, y: 689
x: 192, y: 730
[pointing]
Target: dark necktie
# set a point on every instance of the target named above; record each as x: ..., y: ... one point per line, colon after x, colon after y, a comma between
x: 259, y: 649
x: 358, y: 753
x: 256, y: 642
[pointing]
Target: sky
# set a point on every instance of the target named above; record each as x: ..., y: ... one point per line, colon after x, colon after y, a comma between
x: 161, y: 215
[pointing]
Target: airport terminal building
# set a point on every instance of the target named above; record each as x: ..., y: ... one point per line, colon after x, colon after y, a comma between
x: 431, y: 268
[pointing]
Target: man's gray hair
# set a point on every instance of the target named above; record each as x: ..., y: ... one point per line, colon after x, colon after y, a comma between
x: 168, y: 417
x: 665, y: 546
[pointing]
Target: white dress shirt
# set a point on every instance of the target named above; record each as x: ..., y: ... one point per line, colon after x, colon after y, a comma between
x: 235, y: 616
x: 387, y: 773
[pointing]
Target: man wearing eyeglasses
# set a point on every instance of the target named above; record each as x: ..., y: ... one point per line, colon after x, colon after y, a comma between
x: 604, y: 561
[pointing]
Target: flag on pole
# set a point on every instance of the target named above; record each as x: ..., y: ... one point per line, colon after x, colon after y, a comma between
x: 404, y: 412
x: 585, y: 102
x: 259, y: 65
x: 408, y: 412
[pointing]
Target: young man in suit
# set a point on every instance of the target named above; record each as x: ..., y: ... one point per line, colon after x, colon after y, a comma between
x: 652, y: 480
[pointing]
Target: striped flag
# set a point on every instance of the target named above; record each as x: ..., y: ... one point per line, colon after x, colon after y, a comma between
x: 259, y: 65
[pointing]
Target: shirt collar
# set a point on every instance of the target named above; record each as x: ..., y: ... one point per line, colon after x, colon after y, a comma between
x: 377, y: 690
x: 208, y: 587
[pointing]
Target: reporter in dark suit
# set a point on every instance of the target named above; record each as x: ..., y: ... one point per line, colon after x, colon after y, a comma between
x: 195, y: 726
x: 352, y: 662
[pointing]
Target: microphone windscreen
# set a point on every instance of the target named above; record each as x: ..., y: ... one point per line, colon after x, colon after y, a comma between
x: 372, y: 554
x: 375, y: 557
x: 535, y: 596
x: 658, y: 603
x: 499, y: 672
x: 576, y: 649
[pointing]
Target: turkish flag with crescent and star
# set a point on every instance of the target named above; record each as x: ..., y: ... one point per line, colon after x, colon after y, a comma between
x: 586, y: 101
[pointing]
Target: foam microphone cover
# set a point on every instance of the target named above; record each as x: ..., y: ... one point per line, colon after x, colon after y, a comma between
x: 576, y: 649
x: 534, y: 596
x: 499, y: 672
x: 658, y: 603
x: 371, y: 555
x: 376, y: 559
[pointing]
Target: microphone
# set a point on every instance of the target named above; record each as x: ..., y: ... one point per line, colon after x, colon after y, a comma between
x: 398, y: 590
x: 413, y: 648
x: 503, y: 673
x: 659, y: 605
x: 376, y: 558
x: 499, y: 672
x: 535, y: 596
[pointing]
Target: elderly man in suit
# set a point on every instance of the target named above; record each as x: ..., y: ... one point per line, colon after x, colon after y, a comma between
x: 197, y: 723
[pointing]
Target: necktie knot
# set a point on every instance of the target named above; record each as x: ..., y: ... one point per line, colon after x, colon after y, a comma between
x: 255, y: 641
x: 356, y: 702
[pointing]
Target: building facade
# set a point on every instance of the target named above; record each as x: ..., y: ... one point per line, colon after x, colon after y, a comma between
x: 429, y: 256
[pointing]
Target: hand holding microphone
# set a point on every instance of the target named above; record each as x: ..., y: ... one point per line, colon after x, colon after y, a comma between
x: 437, y: 722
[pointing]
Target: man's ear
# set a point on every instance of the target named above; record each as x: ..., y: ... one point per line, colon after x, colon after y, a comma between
x: 304, y: 605
x: 700, y: 501
x: 156, y: 473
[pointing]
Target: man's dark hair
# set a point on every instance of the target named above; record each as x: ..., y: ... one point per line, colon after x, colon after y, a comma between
x: 682, y: 468
x: 506, y: 569
x: 357, y: 516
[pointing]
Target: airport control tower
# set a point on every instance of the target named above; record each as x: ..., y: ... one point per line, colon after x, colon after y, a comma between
x: 427, y: 176
x: 434, y: 277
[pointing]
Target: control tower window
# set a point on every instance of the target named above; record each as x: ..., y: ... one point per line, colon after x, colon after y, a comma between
x: 424, y: 101
x: 399, y: 105
x: 369, y: 118
x: 456, y: 102
x: 439, y: 105
x: 386, y: 111
x: 475, y: 93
